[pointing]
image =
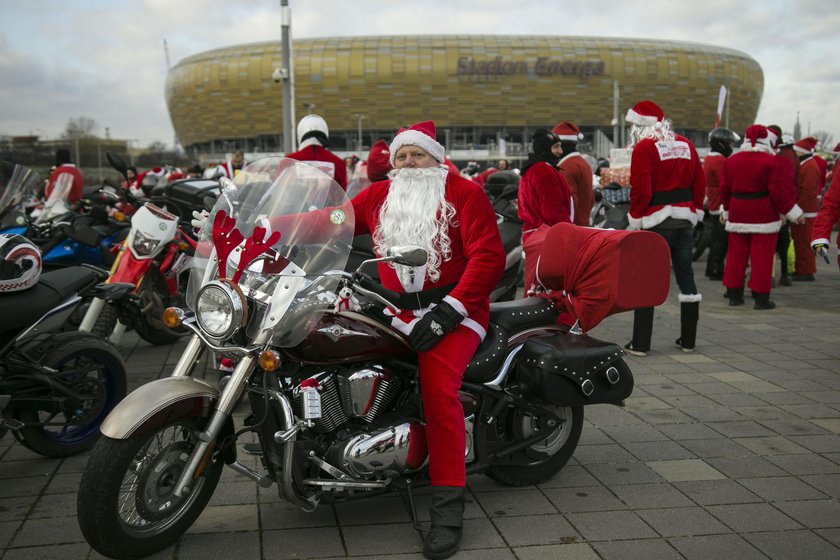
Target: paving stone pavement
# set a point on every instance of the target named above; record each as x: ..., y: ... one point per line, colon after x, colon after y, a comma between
x: 730, y: 452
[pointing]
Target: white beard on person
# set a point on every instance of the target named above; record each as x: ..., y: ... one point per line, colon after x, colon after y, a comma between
x: 416, y: 213
x: 659, y: 131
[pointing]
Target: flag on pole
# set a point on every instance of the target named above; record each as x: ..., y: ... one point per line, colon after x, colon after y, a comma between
x: 721, y: 100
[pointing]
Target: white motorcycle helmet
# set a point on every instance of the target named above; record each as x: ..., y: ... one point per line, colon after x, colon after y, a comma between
x: 20, y: 263
x: 313, y: 126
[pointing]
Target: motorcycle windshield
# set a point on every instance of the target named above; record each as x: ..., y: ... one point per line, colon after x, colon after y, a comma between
x: 17, y: 184
x: 285, y: 285
x: 56, y: 204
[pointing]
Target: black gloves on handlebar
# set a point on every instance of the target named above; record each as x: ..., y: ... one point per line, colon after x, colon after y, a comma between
x: 434, y: 325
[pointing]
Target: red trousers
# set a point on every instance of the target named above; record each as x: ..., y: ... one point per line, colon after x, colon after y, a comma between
x: 759, y: 249
x: 441, y: 371
x: 806, y: 262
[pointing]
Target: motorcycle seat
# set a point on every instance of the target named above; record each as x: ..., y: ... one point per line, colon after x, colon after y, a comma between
x: 21, y: 309
x: 514, y: 316
x: 489, y: 356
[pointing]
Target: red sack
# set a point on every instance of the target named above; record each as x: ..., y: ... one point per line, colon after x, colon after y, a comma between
x: 593, y: 273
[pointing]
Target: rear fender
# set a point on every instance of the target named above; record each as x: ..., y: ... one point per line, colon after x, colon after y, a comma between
x: 158, y: 403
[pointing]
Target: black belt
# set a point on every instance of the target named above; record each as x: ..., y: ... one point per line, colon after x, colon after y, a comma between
x: 750, y: 195
x: 661, y: 198
x: 421, y: 300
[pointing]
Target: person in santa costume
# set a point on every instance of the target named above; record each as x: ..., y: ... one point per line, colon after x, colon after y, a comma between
x: 544, y: 196
x: 788, y: 160
x: 808, y: 188
x: 755, y: 190
x: 232, y: 166
x: 721, y: 141
x: 829, y: 213
x: 667, y: 187
x: 576, y: 171
x: 451, y: 218
x: 64, y: 166
x: 313, y: 136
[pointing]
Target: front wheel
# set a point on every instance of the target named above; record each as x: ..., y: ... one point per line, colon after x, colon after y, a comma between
x: 125, y: 505
x: 547, y: 456
x: 154, y: 298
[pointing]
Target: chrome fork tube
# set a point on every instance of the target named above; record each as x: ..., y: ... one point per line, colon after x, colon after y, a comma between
x: 287, y: 486
x: 192, y: 353
x: 228, y: 399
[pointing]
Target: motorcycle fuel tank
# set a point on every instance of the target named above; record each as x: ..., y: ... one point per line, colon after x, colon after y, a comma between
x: 349, y: 337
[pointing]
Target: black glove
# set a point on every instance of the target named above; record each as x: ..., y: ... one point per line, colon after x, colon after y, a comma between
x: 434, y: 325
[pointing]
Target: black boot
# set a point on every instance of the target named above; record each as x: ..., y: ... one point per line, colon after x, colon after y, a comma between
x: 736, y: 296
x: 762, y: 301
x: 642, y: 331
x: 689, y: 314
x: 447, y: 515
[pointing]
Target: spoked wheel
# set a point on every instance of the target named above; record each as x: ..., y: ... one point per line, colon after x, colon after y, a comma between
x: 126, y: 505
x: 94, y: 372
x: 548, y: 455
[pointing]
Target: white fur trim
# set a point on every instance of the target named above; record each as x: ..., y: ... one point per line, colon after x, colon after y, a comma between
x: 457, y: 305
x: 821, y: 241
x: 416, y: 138
x: 793, y: 213
x: 802, y: 151
x: 700, y: 215
x: 641, y: 120
x: 676, y: 212
x: 689, y: 298
x: 634, y: 223
x: 768, y: 227
x: 715, y: 212
x: 810, y: 214
x: 473, y: 326
x: 571, y: 137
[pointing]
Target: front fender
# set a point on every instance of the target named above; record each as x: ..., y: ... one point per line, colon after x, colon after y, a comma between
x: 158, y: 403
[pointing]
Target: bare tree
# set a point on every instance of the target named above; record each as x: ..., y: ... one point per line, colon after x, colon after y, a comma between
x: 80, y: 127
x: 825, y: 139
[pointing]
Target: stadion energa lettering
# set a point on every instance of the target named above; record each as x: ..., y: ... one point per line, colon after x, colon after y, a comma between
x: 541, y: 67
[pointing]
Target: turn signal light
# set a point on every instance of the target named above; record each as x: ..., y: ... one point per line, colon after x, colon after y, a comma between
x: 173, y: 317
x: 118, y: 216
x: 269, y: 360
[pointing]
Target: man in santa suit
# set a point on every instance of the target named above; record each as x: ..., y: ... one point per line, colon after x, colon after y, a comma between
x: 313, y: 136
x: 754, y: 192
x: 232, y: 166
x: 721, y: 141
x: 667, y: 187
x: 451, y: 218
x: 788, y: 160
x: 829, y: 213
x: 65, y: 172
x: 544, y: 196
x: 576, y: 171
x: 808, y: 188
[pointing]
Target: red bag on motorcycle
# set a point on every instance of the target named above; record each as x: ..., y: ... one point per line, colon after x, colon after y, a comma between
x: 593, y: 273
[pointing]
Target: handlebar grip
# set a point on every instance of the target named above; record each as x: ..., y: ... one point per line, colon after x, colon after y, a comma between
x: 372, y: 285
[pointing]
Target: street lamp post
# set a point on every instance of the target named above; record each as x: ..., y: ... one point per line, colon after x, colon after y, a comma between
x: 359, y: 117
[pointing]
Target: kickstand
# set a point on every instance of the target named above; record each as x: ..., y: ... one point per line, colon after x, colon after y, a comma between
x: 407, y: 496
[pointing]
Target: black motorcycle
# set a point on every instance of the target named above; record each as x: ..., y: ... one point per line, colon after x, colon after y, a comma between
x: 56, y: 388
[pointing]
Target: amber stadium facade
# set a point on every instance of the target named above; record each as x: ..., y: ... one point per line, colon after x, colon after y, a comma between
x: 486, y: 93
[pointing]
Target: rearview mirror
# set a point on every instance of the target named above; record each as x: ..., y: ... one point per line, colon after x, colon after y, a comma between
x: 408, y: 255
x: 117, y: 162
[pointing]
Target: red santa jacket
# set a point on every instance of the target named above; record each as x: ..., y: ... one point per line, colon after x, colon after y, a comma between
x: 659, y: 166
x: 477, y: 260
x: 544, y: 198
x: 323, y: 159
x: 712, y: 167
x: 754, y: 192
x: 578, y: 175
x: 829, y: 213
x: 75, y: 194
x: 823, y: 165
x: 808, y: 187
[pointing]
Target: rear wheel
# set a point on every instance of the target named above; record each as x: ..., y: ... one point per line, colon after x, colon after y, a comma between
x: 93, y: 370
x: 154, y: 298
x: 547, y: 456
x: 126, y: 506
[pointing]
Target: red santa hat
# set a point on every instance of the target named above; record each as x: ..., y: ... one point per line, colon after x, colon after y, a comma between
x: 836, y: 149
x: 645, y: 113
x: 378, y: 159
x: 806, y: 145
x: 567, y: 132
x: 422, y: 135
x: 758, y: 134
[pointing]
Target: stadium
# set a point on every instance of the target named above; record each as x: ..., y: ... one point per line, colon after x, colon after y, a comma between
x: 486, y: 93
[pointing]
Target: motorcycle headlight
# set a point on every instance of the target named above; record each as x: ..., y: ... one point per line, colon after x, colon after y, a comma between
x: 220, y: 308
x: 144, y: 246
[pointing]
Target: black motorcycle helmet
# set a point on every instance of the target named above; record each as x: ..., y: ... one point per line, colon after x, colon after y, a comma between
x: 602, y: 164
x: 722, y: 140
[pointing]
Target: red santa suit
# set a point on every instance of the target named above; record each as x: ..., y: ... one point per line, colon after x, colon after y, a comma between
x: 808, y: 189
x: 315, y: 154
x: 828, y: 215
x: 754, y: 194
x: 666, y: 181
x: 712, y: 168
x: 75, y: 193
x: 578, y: 175
x: 544, y: 197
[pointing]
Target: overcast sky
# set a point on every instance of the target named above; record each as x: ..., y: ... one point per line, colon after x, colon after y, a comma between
x: 104, y: 59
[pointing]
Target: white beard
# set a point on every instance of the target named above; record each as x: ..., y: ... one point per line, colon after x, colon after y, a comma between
x: 416, y: 213
x: 659, y: 131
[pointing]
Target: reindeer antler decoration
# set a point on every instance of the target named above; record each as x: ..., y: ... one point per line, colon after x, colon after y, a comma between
x: 226, y: 238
